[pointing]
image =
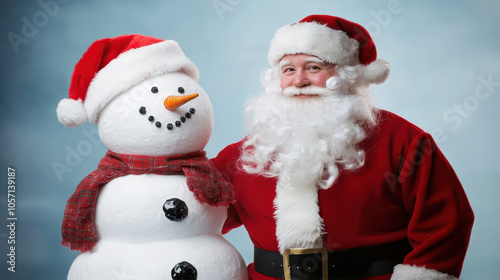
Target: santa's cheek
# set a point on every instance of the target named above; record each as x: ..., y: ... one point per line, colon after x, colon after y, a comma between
x: 286, y: 81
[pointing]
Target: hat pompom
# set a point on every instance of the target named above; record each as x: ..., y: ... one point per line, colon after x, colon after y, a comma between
x: 71, y: 113
x: 377, y: 71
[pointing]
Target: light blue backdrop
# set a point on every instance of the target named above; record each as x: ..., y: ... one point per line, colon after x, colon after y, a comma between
x: 445, y: 78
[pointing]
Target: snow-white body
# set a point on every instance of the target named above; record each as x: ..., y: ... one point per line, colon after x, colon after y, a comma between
x: 136, y: 239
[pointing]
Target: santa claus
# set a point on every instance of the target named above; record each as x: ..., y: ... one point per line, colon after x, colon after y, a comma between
x: 330, y: 187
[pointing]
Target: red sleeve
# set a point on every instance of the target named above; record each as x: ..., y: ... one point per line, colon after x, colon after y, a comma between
x: 441, y: 216
x: 225, y: 162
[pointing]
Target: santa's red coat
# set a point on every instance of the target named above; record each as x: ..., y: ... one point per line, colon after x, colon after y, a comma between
x: 406, y: 189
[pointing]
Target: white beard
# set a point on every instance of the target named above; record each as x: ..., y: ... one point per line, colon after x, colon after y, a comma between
x: 304, y: 142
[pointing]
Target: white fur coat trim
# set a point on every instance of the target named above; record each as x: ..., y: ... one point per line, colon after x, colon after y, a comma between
x: 298, y: 223
x: 412, y: 272
x: 330, y: 45
x: 131, y: 68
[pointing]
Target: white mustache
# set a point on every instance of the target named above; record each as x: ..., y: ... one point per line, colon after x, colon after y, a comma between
x: 309, y: 90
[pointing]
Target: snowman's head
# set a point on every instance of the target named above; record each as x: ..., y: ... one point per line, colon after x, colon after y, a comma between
x: 142, y: 121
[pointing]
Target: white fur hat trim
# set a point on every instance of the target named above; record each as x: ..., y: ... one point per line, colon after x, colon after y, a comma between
x: 133, y: 67
x: 330, y: 45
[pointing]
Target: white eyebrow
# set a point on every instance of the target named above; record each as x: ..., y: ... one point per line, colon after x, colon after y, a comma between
x: 315, y: 60
x: 284, y: 62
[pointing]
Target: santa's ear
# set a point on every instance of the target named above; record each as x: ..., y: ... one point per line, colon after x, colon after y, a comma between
x: 376, y: 72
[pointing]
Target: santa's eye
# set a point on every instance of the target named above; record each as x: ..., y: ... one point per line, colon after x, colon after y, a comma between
x: 287, y: 69
x: 180, y: 90
x: 314, y: 67
x: 154, y: 90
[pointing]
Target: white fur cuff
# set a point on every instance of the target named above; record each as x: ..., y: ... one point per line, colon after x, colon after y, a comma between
x: 412, y: 272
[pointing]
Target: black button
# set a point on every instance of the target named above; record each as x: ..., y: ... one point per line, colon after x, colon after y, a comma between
x: 184, y: 271
x: 175, y: 209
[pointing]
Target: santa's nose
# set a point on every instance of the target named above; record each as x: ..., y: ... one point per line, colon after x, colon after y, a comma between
x: 301, y: 79
x: 174, y: 101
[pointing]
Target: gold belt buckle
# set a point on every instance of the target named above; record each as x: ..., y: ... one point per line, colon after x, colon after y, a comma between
x: 305, y: 251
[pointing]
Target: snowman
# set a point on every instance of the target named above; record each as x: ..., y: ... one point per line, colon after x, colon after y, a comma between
x: 155, y: 206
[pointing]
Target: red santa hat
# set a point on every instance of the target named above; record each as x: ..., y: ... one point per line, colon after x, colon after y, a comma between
x: 333, y: 40
x: 112, y: 66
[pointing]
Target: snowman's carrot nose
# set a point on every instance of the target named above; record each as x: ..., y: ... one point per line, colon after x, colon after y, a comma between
x: 173, y: 102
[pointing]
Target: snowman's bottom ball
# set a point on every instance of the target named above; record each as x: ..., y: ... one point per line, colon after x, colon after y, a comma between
x: 210, y: 255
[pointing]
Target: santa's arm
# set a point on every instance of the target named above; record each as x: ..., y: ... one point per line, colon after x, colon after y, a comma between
x: 225, y: 162
x: 441, y: 216
x: 232, y: 220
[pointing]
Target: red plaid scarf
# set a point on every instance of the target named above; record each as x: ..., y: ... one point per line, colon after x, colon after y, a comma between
x: 203, y: 179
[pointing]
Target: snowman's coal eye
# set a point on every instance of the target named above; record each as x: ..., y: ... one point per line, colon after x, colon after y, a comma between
x: 180, y: 90
x: 154, y: 90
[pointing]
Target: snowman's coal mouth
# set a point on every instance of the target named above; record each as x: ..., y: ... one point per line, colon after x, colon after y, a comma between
x: 171, y: 125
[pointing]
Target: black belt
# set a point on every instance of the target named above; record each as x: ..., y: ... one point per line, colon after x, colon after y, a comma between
x: 342, y: 264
